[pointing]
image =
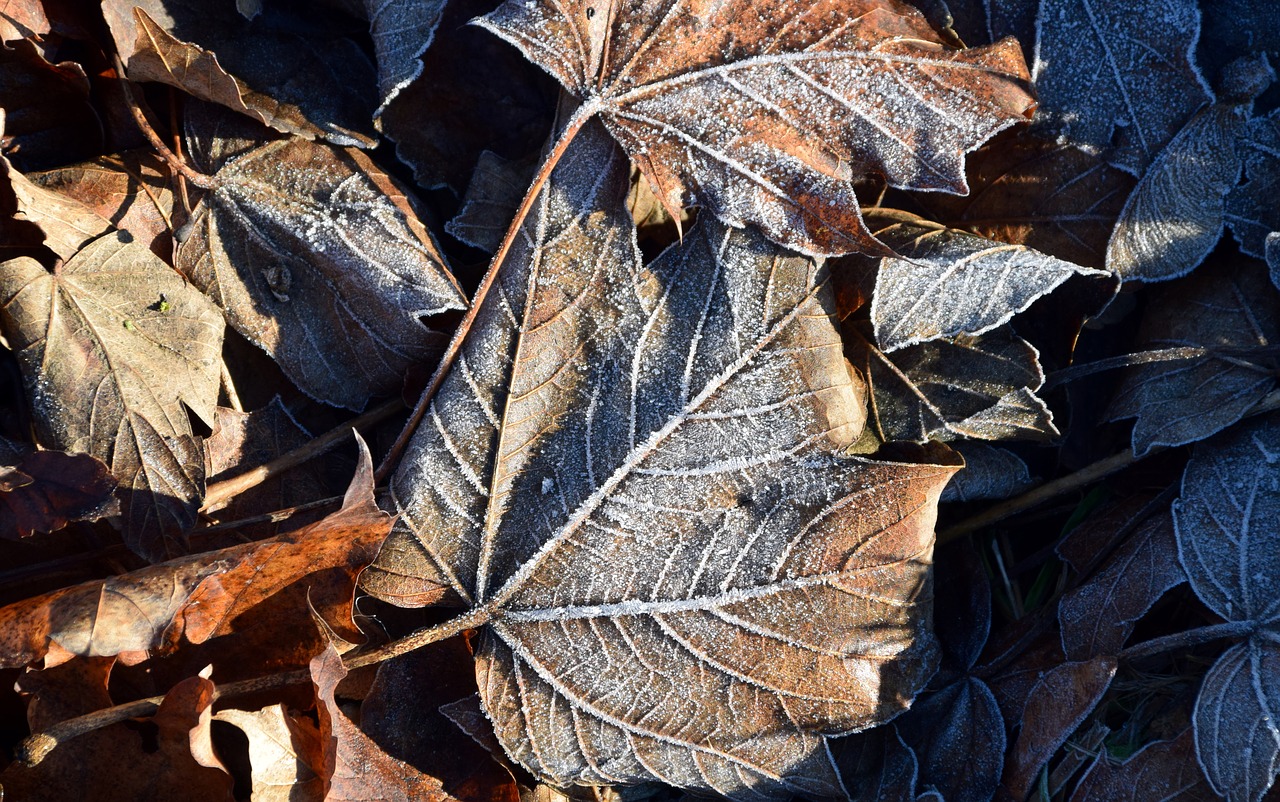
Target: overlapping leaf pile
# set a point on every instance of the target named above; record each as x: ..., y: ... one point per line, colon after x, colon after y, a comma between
x: 719, y: 308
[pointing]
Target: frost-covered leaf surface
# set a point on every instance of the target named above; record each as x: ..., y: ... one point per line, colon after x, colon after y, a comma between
x: 765, y: 114
x: 496, y: 187
x: 1251, y: 209
x: 643, y: 477
x: 1231, y: 550
x: 977, y: 387
x: 112, y: 372
x: 401, y: 33
x: 1098, y: 617
x: 989, y: 472
x: 318, y: 258
x: 1174, y: 217
x: 946, y: 282
x: 1118, y: 74
x: 877, y: 766
x: 1162, y: 771
x: 1228, y: 308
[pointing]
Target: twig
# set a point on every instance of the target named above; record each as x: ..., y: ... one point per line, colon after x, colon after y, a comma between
x: 37, y: 747
x: 229, y: 387
x: 1185, y: 640
x: 268, y: 517
x: 575, y: 123
x: 148, y: 130
x: 220, y: 493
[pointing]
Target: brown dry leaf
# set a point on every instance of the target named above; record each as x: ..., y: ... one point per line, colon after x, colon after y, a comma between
x: 1055, y: 198
x: 318, y: 258
x: 976, y: 387
x: 131, y: 190
x: 494, y: 192
x: 1058, y: 702
x: 636, y: 476
x: 354, y: 768
x: 765, y: 112
x: 1163, y: 771
x: 137, y: 614
x: 21, y: 19
x: 284, y: 754
x: 42, y: 491
x: 51, y: 118
x: 115, y: 349
x: 310, y: 87
x: 989, y: 473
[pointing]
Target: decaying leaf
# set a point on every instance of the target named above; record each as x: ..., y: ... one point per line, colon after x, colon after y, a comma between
x: 284, y: 754
x: 979, y: 387
x: 318, y: 258
x: 1174, y: 217
x: 50, y: 117
x: 1098, y: 617
x: 1055, y: 198
x: 137, y: 614
x: 42, y: 491
x: 766, y: 112
x: 495, y: 190
x: 989, y: 473
x: 1107, y: 76
x: 1228, y: 545
x: 1251, y: 209
x: 21, y: 20
x: 1163, y: 771
x: 640, y: 487
x: 305, y: 86
x: 1225, y: 308
x: 401, y: 34
x: 945, y: 282
x: 115, y: 348
x: 876, y: 766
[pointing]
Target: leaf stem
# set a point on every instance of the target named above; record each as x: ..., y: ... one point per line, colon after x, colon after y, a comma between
x: 1187, y: 639
x: 37, y: 746
x: 579, y: 118
x: 220, y: 493
x: 148, y: 130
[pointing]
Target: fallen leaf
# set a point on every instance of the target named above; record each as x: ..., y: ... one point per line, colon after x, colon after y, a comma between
x: 1174, y: 217
x: 945, y: 282
x: 1251, y: 210
x: 1162, y: 771
x: 284, y: 754
x: 767, y: 115
x: 979, y: 387
x: 138, y: 614
x: 116, y: 319
x: 22, y: 19
x: 1235, y: 27
x: 354, y: 767
x: 876, y: 766
x: 474, y: 94
x: 50, y: 117
x: 1228, y: 546
x: 1105, y: 75
x: 1098, y: 617
x: 1088, y: 544
x: 666, y: 492
x: 318, y: 258
x: 1058, y: 703
x: 312, y: 87
x: 495, y: 190
x: 401, y: 33
x: 1055, y: 198
x: 989, y: 473
x: 43, y: 491
x: 131, y: 190
x: 1228, y: 308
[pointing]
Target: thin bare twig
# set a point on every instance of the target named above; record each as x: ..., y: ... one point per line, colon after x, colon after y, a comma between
x: 148, y: 130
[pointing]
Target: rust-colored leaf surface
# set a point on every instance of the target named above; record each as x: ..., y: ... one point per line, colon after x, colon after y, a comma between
x: 318, y: 258
x: 137, y: 614
x: 115, y: 348
x: 766, y: 112
x: 636, y: 473
x: 42, y: 491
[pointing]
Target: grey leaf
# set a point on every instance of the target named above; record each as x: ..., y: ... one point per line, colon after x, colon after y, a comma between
x: 1174, y: 217
x: 947, y: 282
x: 317, y: 257
x: 1251, y: 209
x: 402, y: 31
x: 958, y: 736
x: 496, y: 188
x: 1098, y: 617
x: 637, y: 474
x: 1106, y: 75
x: 1236, y: 715
x: 1182, y: 401
x: 1225, y: 519
x: 989, y: 473
x: 978, y: 387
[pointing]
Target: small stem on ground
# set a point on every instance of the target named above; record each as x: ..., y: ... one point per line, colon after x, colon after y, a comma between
x: 148, y: 130
x: 1185, y: 640
x: 584, y: 113
x: 229, y: 387
x: 37, y: 747
x: 220, y: 493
